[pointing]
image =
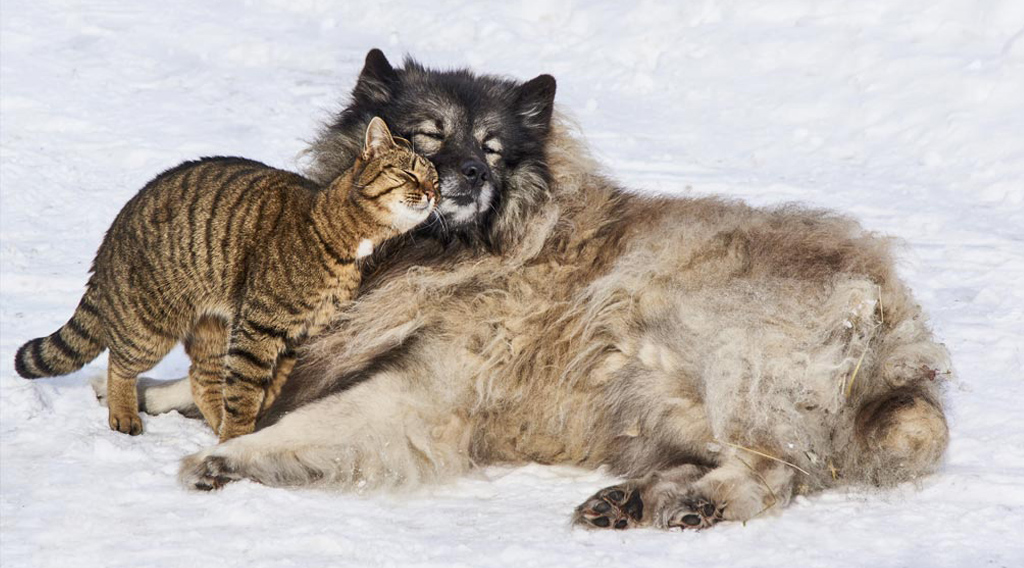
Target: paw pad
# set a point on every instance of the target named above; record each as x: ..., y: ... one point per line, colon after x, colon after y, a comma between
x: 614, y: 507
x: 693, y: 513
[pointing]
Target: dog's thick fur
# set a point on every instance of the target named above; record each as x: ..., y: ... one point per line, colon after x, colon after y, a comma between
x: 720, y: 357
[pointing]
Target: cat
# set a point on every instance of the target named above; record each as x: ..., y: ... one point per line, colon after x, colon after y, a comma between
x: 239, y: 261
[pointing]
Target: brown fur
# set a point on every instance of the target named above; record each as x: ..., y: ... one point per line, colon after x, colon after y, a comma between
x: 241, y: 261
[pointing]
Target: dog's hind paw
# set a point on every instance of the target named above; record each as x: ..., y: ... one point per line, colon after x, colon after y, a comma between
x: 616, y: 507
x: 691, y: 513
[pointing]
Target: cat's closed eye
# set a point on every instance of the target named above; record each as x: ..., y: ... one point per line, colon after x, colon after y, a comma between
x: 411, y: 175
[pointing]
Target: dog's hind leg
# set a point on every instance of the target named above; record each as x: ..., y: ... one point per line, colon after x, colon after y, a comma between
x: 900, y: 437
x: 898, y: 431
x: 692, y: 497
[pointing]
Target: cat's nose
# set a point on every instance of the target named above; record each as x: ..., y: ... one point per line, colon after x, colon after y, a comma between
x: 475, y: 172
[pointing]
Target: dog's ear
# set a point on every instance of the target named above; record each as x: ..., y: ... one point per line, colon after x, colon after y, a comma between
x: 377, y: 79
x: 535, y: 101
x: 378, y: 139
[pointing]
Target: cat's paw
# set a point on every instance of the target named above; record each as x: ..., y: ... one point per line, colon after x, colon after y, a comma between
x: 204, y: 472
x: 125, y: 422
x: 616, y: 507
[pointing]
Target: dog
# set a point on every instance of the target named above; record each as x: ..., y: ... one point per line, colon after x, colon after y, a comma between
x: 720, y: 358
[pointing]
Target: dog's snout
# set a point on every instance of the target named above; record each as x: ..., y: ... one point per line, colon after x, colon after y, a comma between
x: 475, y: 171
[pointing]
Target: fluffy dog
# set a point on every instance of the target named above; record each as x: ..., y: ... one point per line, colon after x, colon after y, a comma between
x: 721, y: 358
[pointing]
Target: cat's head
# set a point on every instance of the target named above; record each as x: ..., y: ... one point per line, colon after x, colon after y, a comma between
x: 397, y: 186
x: 486, y: 136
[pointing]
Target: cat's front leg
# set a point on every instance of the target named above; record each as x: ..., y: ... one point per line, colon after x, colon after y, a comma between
x: 252, y: 356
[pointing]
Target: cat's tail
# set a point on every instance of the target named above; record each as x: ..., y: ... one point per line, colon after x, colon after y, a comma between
x: 66, y: 350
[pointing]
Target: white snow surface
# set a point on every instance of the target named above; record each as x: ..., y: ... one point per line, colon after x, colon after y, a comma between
x: 908, y: 115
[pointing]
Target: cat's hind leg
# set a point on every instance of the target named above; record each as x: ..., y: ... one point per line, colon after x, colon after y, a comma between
x: 207, y: 347
x: 122, y: 400
x: 127, y: 360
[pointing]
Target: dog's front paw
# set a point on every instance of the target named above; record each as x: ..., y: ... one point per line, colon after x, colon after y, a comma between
x: 204, y: 472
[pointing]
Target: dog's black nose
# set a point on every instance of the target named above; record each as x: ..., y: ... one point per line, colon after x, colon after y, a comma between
x: 475, y: 171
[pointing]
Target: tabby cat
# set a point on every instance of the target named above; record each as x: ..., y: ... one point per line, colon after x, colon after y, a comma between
x: 238, y: 260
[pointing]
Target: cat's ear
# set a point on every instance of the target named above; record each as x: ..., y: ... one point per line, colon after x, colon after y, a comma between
x: 377, y: 79
x: 535, y: 102
x: 378, y: 138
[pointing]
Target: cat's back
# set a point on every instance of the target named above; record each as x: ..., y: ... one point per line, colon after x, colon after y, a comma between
x: 202, y: 203
x: 193, y: 190
x: 217, y: 174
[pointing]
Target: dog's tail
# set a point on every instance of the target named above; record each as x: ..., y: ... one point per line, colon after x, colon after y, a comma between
x: 66, y: 350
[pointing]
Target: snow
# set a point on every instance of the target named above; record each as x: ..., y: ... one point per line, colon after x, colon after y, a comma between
x: 907, y: 115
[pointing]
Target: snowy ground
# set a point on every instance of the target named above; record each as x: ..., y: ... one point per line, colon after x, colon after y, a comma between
x: 905, y: 114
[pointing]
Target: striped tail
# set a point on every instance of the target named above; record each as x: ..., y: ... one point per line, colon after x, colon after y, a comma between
x: 66, y: 350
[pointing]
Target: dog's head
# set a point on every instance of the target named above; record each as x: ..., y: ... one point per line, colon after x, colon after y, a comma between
x: 484, y: 134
